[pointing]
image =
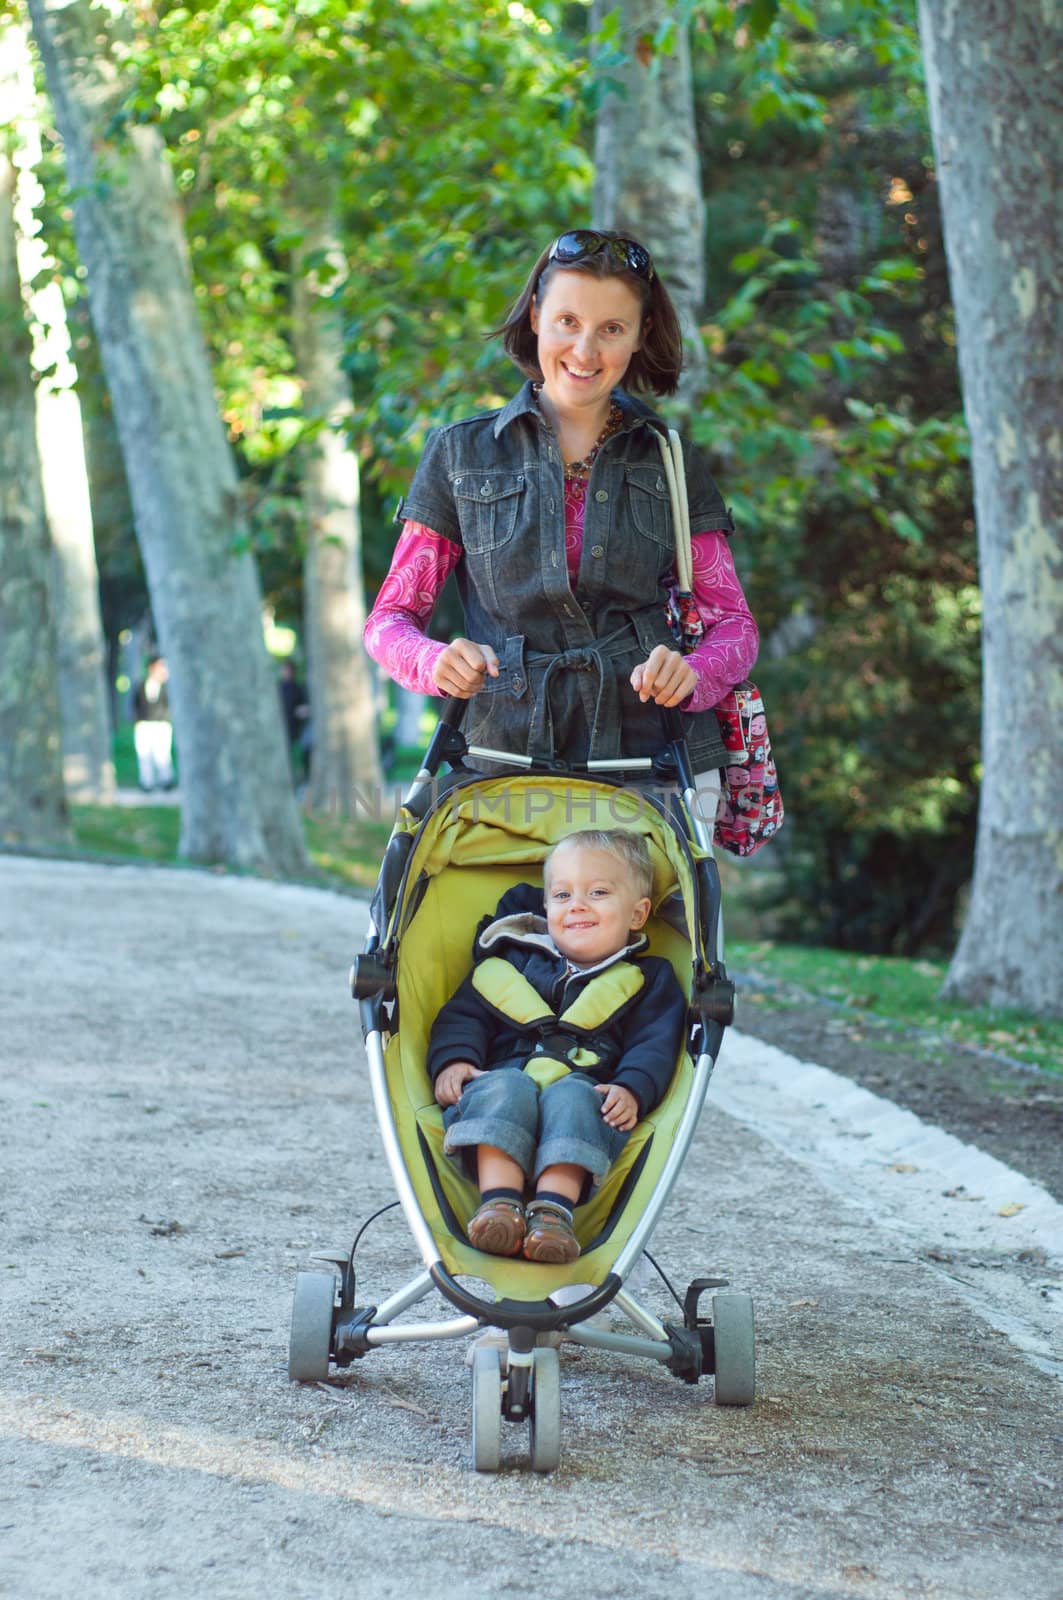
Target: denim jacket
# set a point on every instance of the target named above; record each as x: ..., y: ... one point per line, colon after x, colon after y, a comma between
x: 494, y: 484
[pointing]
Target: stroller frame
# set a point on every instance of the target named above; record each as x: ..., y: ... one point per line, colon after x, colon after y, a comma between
x: 521, y: 1382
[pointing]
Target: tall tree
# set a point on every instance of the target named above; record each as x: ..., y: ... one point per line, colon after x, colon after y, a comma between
x: 647, y: 171
x: 238, y: 805
x: 344, y: 753
x: 33, y: 808
x: 88, y: 766
x: 998, y: 135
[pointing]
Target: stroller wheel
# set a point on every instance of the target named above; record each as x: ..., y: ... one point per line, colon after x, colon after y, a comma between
x: 545, y: 1420
x: 311, y: 1336
x: 732, y: 1317
x: 486, y: 1409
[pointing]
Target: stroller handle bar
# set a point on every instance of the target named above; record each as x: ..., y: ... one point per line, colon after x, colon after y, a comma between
x: 447, y: 744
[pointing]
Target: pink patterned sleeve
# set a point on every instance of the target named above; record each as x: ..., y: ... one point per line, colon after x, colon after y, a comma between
x: 394, y: 632
x: 729, y: 647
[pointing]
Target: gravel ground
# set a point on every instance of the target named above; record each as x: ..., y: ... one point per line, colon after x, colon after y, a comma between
x: 187, y: 1114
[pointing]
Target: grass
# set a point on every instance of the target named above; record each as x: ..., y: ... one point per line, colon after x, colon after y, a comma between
x: 134, y: 833
x: 344, y: 855
x: 903, y: 991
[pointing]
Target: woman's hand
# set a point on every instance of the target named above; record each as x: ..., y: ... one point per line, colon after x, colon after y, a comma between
x: 452, y: 1080
x: 665, y: 677
x: 462, y: 667
x: 619, y: 1106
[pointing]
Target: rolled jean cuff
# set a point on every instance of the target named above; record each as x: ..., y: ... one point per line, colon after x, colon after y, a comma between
x: 562, y: 1148
x: 509, y: 1137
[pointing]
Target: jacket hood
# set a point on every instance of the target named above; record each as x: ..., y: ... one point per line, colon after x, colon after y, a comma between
x: 528, y: 928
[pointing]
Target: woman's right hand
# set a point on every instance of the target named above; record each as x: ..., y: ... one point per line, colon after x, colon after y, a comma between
x: 462, y: 667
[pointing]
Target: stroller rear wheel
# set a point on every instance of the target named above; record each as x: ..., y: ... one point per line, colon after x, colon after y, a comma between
x: 311, y: 1336
x: 486, y: 1409
x: 732, y: 1318
x: 545, y: 1419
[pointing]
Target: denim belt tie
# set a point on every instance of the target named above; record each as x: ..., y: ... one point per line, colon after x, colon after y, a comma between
x: 544, y: 665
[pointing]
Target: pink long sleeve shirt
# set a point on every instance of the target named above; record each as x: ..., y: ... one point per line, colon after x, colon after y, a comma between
x: 395, y: 630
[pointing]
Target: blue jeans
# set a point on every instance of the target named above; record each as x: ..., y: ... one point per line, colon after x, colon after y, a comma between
x: 538, y: 1128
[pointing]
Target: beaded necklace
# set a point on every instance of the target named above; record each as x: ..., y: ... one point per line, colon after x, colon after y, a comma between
x: 580, y: 471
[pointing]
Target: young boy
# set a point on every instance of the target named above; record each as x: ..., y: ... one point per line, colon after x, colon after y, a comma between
x: 560, y: 1038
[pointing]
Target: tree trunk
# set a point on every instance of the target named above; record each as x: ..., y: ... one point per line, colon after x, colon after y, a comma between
x: 647, y: 175
x: 998, y: 135
x: 88, y: 765
x: 237, y: 802
x: 409, y: 708
x: 345, y: 751
x: 33, y: 810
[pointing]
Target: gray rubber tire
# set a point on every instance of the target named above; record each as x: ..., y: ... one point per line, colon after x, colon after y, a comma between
x: 311, y: 1336
x: 732, y: 1320
x: 486, y: 1409
x: 545, y: 1419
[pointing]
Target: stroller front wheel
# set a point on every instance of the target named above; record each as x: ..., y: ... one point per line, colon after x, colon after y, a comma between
x: 732, y: 1317
x: 311, y: 1335
x: 545, y: 1420
x: 486, y: 1409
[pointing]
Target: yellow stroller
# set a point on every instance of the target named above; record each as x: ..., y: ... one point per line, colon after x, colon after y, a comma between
x: 458, y: 845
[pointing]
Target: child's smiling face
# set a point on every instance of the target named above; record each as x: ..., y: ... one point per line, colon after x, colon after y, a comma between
x: 592, y: 904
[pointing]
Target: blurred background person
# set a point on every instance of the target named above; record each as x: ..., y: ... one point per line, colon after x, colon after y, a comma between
x: 295, y: 706
x: 153, y: 729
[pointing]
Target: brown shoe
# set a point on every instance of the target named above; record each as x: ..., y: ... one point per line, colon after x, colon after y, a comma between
x: 549, y: 1236
x: 498, y: 1228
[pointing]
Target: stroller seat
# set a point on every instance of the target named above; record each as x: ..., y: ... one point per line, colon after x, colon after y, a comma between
x: 467, y: 868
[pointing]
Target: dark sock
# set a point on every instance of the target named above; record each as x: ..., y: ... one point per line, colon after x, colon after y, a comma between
x: 555, y: 1199
x: 503, y: 1194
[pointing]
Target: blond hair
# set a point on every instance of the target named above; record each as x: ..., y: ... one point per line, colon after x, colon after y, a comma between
x: 629, y: 848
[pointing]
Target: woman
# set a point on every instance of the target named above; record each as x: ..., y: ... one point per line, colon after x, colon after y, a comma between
x: 555, y: 514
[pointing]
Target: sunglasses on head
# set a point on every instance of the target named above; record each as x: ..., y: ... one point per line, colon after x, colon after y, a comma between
x: 628, y: 254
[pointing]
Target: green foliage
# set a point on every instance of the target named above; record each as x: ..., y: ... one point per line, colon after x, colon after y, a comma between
x: 447, y: 138
x: 440, y: 137
x: 833, y: 413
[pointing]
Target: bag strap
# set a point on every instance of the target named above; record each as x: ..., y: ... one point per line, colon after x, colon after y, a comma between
x: 672, y: 459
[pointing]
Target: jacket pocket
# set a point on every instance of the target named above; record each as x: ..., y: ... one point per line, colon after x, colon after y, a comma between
x: 488, y: 505
x: 648, y: 504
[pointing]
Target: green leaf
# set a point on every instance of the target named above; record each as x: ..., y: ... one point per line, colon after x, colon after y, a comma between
x: 761, y: 14
x: 908, y: 530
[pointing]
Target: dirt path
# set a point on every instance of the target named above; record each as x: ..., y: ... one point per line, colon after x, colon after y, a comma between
x: 185, y: 1116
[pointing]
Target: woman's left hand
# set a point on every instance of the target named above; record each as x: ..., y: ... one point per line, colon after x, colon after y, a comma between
x: 665, y: 677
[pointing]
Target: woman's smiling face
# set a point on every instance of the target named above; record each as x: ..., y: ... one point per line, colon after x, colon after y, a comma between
x: 588, y: 329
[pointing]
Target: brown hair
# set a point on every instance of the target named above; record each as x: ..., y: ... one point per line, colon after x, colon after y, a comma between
x: 655, y: 367
x: 630, y: 848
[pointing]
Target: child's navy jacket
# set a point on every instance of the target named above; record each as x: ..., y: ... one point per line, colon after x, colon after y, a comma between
x: 624, y: 1031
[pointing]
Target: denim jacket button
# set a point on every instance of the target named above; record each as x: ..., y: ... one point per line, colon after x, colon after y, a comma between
x: 660, y: 485
x: 597, y: 550
x: 485, y: 488
x: 601, y: 494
